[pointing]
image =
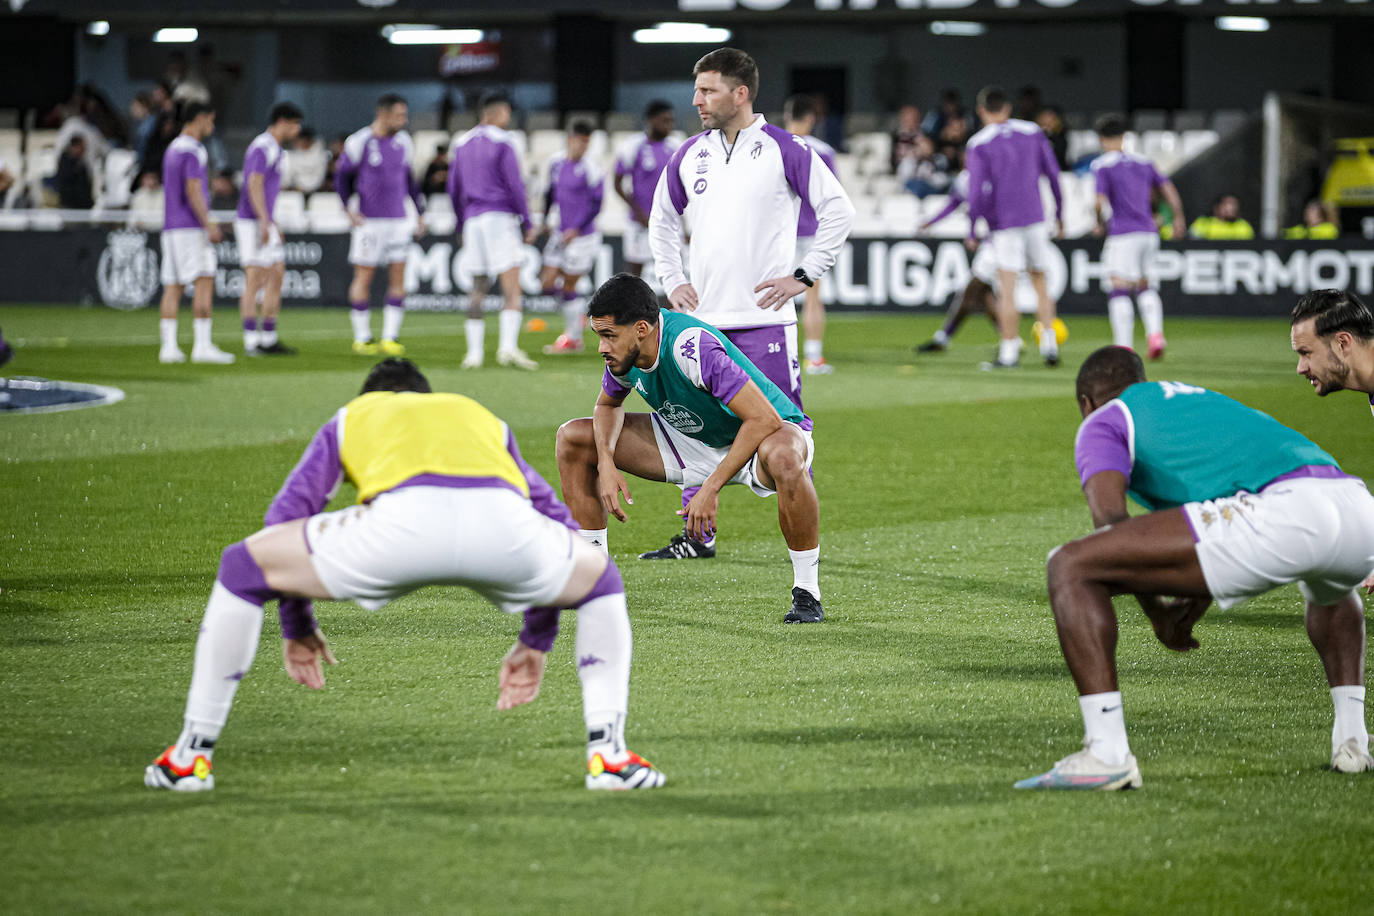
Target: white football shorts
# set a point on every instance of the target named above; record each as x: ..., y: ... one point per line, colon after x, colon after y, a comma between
x: 1023, y: 248
x: 635, y: 244
x: 492, y: 243
x: 380, y: 241
x: 984, y: 267
x: 687, y: 462
x: 253, y: 254
x: 576, y: 257
x: 490, y: 539
x: 1316, y: 532
x: 187, y: 255
x: 1130, y: 256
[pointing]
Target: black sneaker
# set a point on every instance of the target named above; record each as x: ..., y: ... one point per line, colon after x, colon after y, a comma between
x: 681, y: 547
x: 806, y: 608
x: 1052, y: 360
x: 277, y: 349
x: 931, y: 346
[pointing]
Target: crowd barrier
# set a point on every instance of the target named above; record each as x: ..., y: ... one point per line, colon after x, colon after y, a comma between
x: 120, y: 268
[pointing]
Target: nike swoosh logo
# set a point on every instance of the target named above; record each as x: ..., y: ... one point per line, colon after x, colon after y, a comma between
x: 1111, y: 708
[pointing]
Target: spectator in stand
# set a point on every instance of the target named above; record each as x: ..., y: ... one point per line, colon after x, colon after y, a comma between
x: 436, y: 173
x: 164, y: 131
x: 1224, y: 224
x: 79, y: 124
x: 1029, y: 103
x: 223, y: 194
x: 954, y: 156
x: 951, y: 107
x: 141, y: 114
x: 73, y: 182
x: 1051, y: 121
x: 904, y: 136
x: 930, y: 170
x: 145, y: 206
x: 1318, y: 222
x: 306, y: 163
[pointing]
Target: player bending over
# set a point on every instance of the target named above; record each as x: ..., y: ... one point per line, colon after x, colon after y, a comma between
x: 1240, y: 505
x: 576, y: 185
x: 716, y: 420
x: 443, y: 498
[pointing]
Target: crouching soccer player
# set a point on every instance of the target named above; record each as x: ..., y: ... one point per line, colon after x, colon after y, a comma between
x: 1241, y: 505
x: 716, y: 420
x: 444, y: 498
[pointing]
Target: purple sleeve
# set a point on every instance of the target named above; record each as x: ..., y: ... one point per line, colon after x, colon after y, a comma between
x: 312, y: 481
x: 720, y: 374
x: 797, y: 157
x: 1104, y: 443
x: 1101, y: 181
x: 1050, y: 166
x: 598, y: 193
x: 344, y: 177
x: 976, y: 196
x: 297, y: 616
x: 1157, y: 178
x: 954, y: 201
x: 510, y: 171
x: 612, y: 388
x: 541, y: 494
x: 541, y: 628
x: 455, y: 187
x: 672, y: 173
x: 255, y: 162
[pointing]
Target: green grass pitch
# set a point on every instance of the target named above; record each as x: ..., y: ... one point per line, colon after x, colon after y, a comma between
x: 862, y: 765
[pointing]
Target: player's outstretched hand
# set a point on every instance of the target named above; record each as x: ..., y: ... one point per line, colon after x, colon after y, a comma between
x: 780, y: 291
x: 303, y: 656
x: 699, y: 515
x: 1173, y: 619
x: 683, y: 298
x: 611, y: 484
x: 521, y: 672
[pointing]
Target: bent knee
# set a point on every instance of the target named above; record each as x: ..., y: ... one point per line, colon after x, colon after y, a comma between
x: 573, y: 436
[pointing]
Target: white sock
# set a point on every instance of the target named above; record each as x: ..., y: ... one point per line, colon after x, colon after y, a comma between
x: 596, y: 537
x: 806, y: 570
x: 1151, y: 311
x: 940, y: 337
x: 475, y: 330
x: 1104, y: 726
x: 362, y: 324
x: 603, y: 649
x: 200, y: 327
x: 168, y: 328
x: 510, y: 329
x: 228, y: 641
x: 572, y: 318
x: 1009, y: 351
x: 267, y: 338
x: 250, y: 340
x: 1049, y: 343
x: 392, y: 316
x: 1121, y: 314
x: 1349, y: 703
x: 812, y: 349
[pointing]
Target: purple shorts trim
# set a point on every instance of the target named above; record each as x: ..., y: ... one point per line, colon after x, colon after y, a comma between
x: 609, y: 583
x: 1318, y: 471
x: 240, y: 574
x: 1187, y: 518
x: 668, y: 439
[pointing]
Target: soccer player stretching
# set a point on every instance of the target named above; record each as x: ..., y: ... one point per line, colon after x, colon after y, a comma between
x: 1125, y: 183
x: 577, y: 185
x: 741, y: 181
x: 376, y: 161
x: 187, y: 237
x: 259, y: 240
x: 1240, y: 505
x: 443, y: 498
x: 716, y: 420
x: 1005, y: 162
x: 489, y: 201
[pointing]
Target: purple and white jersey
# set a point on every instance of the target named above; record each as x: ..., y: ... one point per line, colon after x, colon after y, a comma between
x: 484, y: 175
x: 264, y: 157
x: 806, y: 218
x: 744, y: 198
x: 378, y: 168
x: 1005, y: 162
x: 644, y: 161
x: 1126, y: 180
x: 958, y: 196
x: 577, y: 186
x: 185, y: 159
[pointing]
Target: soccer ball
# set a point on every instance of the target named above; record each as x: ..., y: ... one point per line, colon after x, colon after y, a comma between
x: 1061, y: 331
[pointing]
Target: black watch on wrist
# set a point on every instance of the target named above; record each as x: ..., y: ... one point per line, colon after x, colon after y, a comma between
x: 801, y: 276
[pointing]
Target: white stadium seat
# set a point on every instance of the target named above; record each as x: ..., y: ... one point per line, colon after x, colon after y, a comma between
x: 327, y: 213
x: 290, y: 211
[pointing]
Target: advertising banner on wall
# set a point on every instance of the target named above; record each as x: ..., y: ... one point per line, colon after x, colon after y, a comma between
x: 120, y: 268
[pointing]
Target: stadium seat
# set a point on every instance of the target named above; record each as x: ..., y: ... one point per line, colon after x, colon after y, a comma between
x: 1162, y: 147
x: 901, y: 214
x: 542, y: 145
x: 1186, y: 119
x: 873, y: 151
x: 1196, y: 142
x: 1081, y: 143
x: 1149, y: 119
x: 120, y: 165
x: 621, y: 121
x: 326, y: 212
x: 290, y: 211
x: 425, y: 143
